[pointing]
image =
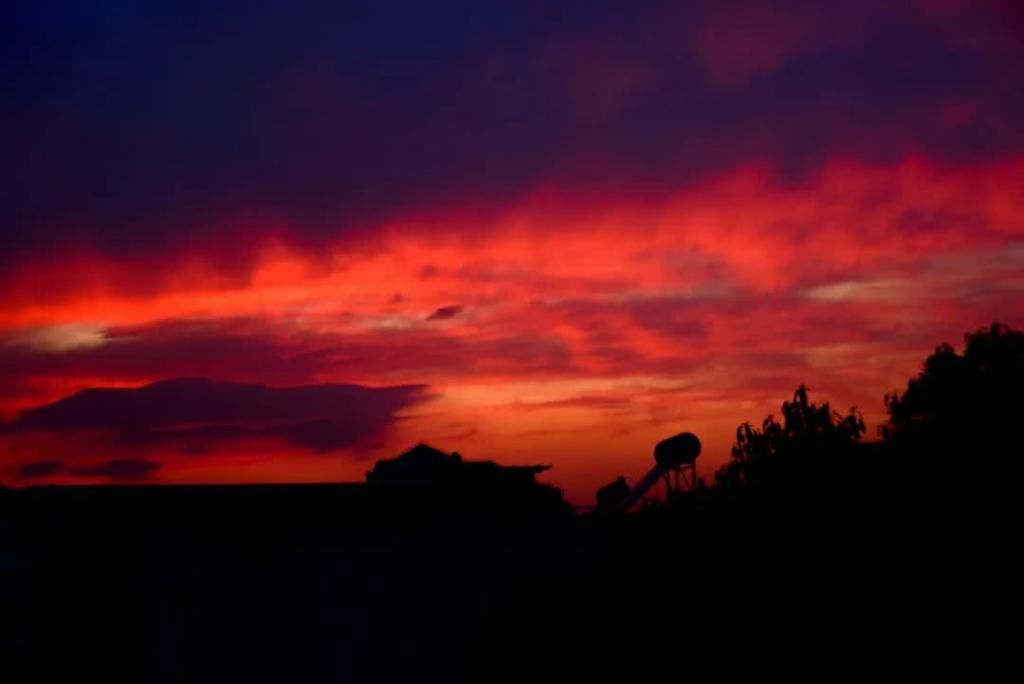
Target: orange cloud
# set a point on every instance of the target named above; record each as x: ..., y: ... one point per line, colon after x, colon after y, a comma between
x: 587, y: 327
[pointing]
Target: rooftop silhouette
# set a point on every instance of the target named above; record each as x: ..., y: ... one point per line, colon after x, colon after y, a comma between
x: 440, y: 568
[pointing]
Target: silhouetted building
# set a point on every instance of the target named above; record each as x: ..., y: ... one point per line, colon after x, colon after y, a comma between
x: 423, y: 466
x: 425, y: 475
x: 611, y: 496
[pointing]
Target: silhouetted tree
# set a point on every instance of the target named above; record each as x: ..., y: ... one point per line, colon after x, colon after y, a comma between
x: 810, y: 437
x: 960, y: 404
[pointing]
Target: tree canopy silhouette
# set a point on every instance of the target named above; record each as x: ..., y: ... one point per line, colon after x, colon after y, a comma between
x: 809, y: 438
x: 959, y: 404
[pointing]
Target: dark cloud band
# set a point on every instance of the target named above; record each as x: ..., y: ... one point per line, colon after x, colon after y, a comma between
x: 196, y: 412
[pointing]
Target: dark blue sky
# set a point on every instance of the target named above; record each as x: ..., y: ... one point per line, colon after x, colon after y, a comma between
x: 131, y: 126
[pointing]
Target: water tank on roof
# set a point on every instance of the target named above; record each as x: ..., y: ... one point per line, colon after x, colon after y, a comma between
x: 681, y: 449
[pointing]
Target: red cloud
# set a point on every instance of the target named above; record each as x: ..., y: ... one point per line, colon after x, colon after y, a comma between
x: 696, y: 310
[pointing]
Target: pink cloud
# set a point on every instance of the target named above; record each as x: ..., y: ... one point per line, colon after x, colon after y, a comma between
x: 736, y: 42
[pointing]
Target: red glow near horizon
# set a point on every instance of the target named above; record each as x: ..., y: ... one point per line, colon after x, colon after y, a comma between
x: 589, y: 328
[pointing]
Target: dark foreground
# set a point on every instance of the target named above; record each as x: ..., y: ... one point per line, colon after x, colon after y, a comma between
x: 815, y: 555
x: 332, y: 583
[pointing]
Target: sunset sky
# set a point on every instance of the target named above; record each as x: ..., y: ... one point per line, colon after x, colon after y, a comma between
x: 538, y: 232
